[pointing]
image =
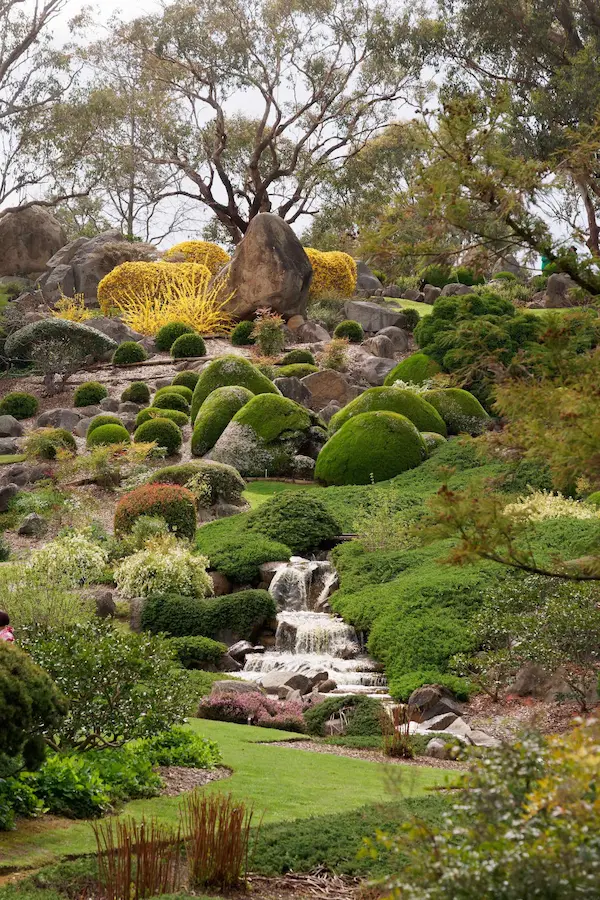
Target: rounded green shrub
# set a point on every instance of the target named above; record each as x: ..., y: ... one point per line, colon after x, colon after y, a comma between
x: 44, y: 443
x: 298, y: 356
x: 415, y: 369
x: 435, y: 274
x: 215, y: 414
x: 153, y: 412
x: 163, y: 431
x: 187, y: 346
x: 240, y: 559
x: 108, y: 434
x: 433, y: 440
x: 391, y: 399
x: 297, y: 519
x: 369, y: 447
x: 410, y: 318
x: 171, y: 502
x: 229, y: 370
x: 75, y: 335
x: 273, y: 416
x: 171, y: 400
x: 295, y: 370
x: 594, y: 498
x: 197, y: 652
x: 167, y: 335
x: 238, y: 616
x: 89, y: 393
x: 241, y: 335
x: 504, y: 276
x: 127, y: 353
x: 225, y: 483
x: 185, y: 392
x: 103, y: 419
x: 19, y: 404
x: 137, y: 392
x: 460, y: 410
x: 351, y: 330
x: 187, y: 378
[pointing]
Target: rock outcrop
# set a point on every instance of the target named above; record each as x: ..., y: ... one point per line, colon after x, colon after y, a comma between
x: 28, y: 239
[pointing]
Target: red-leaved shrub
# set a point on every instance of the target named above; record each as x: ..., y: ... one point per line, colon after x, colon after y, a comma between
x: 260, y: 710
x: 175, y: 504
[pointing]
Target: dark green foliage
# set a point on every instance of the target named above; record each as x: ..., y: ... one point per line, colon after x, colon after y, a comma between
x: 137, y: 392
x: 435, y: 274
x: 298, y: 356
x: 181, y: 747
x: 19, y: 404
x: 410, y: 318
x: 171, y: 400
x: 44, y: 443
x: 414, y: 369
x: 129, y: 352
x: 242, y: 334
x: 171, y: 502
x: 22, y: 344
x: 363, y: 714
x: 239, y: 616
x: 273, y: 417
x: 404, y: 685
x: 70, y: 786
x: 297, y: 519
x: 226, y: 484
x: 406, y: 403
x: 197, y: 652
x: 185, y: 392
x: 200, y: 685
x: 151, y: 412
x: 163, y: 431
x: 103, y: 419
x: 187, y: 378
x: 188, y: 345
x: 526, y: 475
x: 17, y: 799
x: 89, y: 393
x: 229, y: 370
x: 464, y: 275
x: 460, y: 410
x: 108, y: 434
x: 295, y: 370
x: 215, y: 414
x: 168, y: 334
x: 505, y: 276
x: 241, y: 559
x: 369, y: 447
x: 351, y: 330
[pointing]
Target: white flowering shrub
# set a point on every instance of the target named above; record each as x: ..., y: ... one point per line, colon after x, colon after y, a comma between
x: 164, y: 566
x: 73, y: 558
x: 545, y: 505
x: 427, y: 385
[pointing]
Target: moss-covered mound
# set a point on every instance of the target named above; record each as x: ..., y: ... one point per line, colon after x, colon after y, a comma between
x: 272, y: 417
x: 215, y: 414
x: 163, y: 431
x: 432, y: 440
x: 372, y: 446
x: 460, y: 410
x: 390, y: 399
x: 153, y: 412
x: 230, y: 370
x: 415, y: 370
x: 225, y: 482
x: 295, y: 370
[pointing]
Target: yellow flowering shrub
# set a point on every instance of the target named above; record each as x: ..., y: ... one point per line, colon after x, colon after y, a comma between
x: 150, y: 295
x: 333, y: 273
x: 72, y: 309
x: 210, y: 255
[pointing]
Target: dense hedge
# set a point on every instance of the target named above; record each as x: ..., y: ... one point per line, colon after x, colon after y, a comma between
x: 239, y: 616
x: 369, y: 447
x: 21, y: 343
x: 188, y: 346
x: 205, y: 252
x: 137, y: 392
x: 297, y: 519
x: 240, y: 559
x: 19, y: 404
x: 129, y: 352
x: 167, y: 335
x: 226, y: 484
x: 181, y: 389
x: 272, y: 416
x: 295, y: 370
x: 334, y: 272
x: 48, y: 441
x: 89, y: 393
x: 234, y: 370
x: 163, y: 431
x: 298, y: 356
x: 108, y: 434
x: 406, y: 403
x: 173, y: 503
x: 215, y: 414
x: 415, y: 369
x: 197, y: 652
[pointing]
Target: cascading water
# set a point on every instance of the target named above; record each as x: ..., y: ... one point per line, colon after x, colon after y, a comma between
x: 309, y: 637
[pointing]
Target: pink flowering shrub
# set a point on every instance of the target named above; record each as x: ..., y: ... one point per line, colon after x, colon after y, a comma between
x: 259, y: 709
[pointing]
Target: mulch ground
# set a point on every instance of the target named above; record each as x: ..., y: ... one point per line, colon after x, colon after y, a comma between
x: 368, y: 755
x: 180, y: 780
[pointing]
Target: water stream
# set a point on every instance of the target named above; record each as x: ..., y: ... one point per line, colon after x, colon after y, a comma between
x: 309, y: 637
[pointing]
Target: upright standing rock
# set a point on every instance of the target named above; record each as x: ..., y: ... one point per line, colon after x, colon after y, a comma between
x: 269, y: 268
x: 28, y: 238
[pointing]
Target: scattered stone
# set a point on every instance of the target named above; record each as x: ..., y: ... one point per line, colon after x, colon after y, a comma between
x: 431, y: 293
x: 456, y: 290
x: 375, y: 370
x: 88, y: 412
x: 311, y: 332
x: 365, y: 280
x: 431, y: 700
x: 437, y: 749
x: 235, y: 687
x: 10, y: 427
x: 116, y: 329
x: 372, y: 316
x: 110, y: 404
x: 392, y: 291
x: 128, y: 407
x: 482, y: 739
x: 33, y: 525
x: 557, y: 290
x: 413, y: 294
x: 379, y: 345
x: 301, y: 681
x: 329, y: 411
x: 295, y: 322
x: 328, y: 385
x: 228, y: 664
x: 29, y: 238
x: 325, y: 687
x: 8, y: 446
x: 293, y: 389
x: 105, y: 605
x: 221, y: 584
x: 440, y: 722
x: 240, y: 650
x: 6, y: 494
x: 303, y: 467
x: 163, y: 382
x: 59, y: 418
x: 398, y: 337
x: 18, y: 475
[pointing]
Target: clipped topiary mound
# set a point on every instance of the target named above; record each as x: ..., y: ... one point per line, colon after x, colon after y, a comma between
x: 334, y: 272
x: 163, y: 431
x: 594, y: 498
x: 187, y: 379
x: 215, y: 414
x: 433, y: 440
x: 108, y: 434
x: 89, y: 393
x: 241, y: 336
x: 272, y: 417
x: 241, y: 558
x: 205, y: 252
x: 175, y: 504
x: 230, y: 370
x: 460, y: 410
x: 351, y: 330
x: 295, y: 370
x: 127, y: 353
x: 369, y: 447
x: 153, y: 412
x: 103, y: 419
x: 44, y: 443
x: 19, y: 404
x: 188, y: 346
x: 168, y: 334
x: 406, y: 403
x: 225, y: 482
x: 298, y: 356
x: 22, y: 343
x: 415, y: 369
x: 185, y: 392
x: 137, y: 392
x: 171, y: 400
x: 197, y: 652
x: 297, y: 519
x: 238, y: 616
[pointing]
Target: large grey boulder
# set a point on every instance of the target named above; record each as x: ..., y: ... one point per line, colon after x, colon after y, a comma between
x: 431, y: 293
x: 431, y: 700
x: 269, y: 268
x: 272, y: 682
x: 311, y: 333
x: 6, y: 494
x: 557, y: 291
x: 33, y: 525
x: 60, y: 418
x: 328, y: 385
x: 413, y: 294
x: 398, y: 336
x: 28, y: 239
x: 235, y: 687
x: 365, y: 280
x: 379, y: 345
x: 293, y: 389
x: 372, y: 316
x: 116, y: 329
x: 437, y: 749
x: 375, y: 369
x: 8, y: 446
x: 10, y: 427
x: 456, y: 290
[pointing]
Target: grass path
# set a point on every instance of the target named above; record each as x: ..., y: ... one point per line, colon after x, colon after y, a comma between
x: 283, y: 783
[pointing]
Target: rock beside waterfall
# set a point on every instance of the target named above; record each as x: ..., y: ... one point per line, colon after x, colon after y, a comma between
x: 234, y: 687
x: 280, y: 681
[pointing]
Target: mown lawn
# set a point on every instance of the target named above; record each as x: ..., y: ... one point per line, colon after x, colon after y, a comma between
x: 283, y: 784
